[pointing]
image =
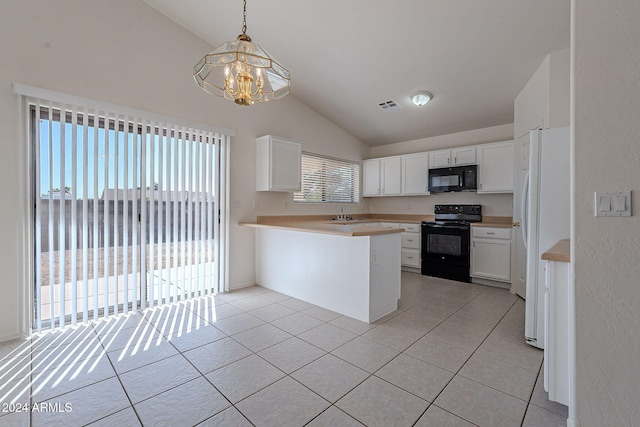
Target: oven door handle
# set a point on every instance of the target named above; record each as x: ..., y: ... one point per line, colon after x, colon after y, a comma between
x: 524, y: 206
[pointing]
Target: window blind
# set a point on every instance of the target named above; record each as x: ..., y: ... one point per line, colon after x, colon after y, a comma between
x: 328, y: 180
x: 130, y: 210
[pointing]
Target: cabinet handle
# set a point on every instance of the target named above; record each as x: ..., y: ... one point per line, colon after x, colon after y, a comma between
x: 490, y: 232
x: 409, y: 257
x: 455, y: 160
x: 449, y: 161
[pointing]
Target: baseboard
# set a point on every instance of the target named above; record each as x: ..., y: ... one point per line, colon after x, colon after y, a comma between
x: 494, y: 283
x: 11, y: 337
x: 241, y: 285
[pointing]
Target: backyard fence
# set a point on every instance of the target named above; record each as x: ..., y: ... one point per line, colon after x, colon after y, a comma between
x: 172, y: 221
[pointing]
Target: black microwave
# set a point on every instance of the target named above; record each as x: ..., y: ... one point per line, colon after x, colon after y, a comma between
x: 457, y: 178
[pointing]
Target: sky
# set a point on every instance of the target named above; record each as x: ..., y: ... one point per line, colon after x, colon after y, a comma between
x: 116, y: 154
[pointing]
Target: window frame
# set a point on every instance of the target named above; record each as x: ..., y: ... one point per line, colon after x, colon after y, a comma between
x: 299, y: 196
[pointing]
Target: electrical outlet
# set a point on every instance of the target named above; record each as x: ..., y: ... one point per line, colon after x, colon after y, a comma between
x: 255, y: 205
x: 286, y: 204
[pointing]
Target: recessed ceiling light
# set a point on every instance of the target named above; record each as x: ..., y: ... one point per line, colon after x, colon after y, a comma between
x: 421, y: 98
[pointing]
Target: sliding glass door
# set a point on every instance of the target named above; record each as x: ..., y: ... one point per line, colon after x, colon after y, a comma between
x: 126, y: 212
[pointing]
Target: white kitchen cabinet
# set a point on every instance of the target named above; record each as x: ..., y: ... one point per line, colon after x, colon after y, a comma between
x: 382, y: 177
x: 453, y: 157
x: 410, y: 252
x: 278, y: 164
x: 491, y: 253
x: 415, y: 174
x: 495, y: 167
x: 371, y: 177
x: 557, y: 363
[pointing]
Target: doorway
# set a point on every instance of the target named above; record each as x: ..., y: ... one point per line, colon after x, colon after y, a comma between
x: 127, y: 212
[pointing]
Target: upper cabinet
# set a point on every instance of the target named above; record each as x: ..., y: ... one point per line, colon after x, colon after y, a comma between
x: 452, y: 157
x: 415, y: 174
x: 371, y: 177
x: 382, y: 177
x: 278, y: 164
x: 495, y: 167
x: 408, y: 175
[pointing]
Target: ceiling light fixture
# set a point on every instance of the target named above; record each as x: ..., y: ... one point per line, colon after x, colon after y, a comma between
x: 421, y: 98
x: 242, y: 71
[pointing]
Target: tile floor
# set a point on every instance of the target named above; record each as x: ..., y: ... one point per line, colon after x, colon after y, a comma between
x: 452, y: 355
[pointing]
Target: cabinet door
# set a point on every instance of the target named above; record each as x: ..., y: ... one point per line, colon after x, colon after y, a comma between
x: 415, y: 169
x: 278, y: 164
x: 495, y: 168
x: 285, y: 165
x: 371, y: 177
x: 463, y: 156
x: 557, y: 360
x: 439, y: 159
x: 391, y: 174
x: 491, y: 259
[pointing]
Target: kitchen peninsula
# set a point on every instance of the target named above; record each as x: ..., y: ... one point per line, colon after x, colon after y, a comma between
x: 350, y: 267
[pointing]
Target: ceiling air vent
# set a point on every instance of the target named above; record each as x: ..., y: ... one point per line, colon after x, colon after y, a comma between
x: 389, y: 105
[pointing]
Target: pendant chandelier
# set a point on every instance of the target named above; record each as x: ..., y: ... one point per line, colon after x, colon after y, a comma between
x: 242, y: 71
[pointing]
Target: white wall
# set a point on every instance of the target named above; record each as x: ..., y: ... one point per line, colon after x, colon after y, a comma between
x: 492, y: 204
x: 606, y: 108
x: 544, y: 101
x: 126, y: 53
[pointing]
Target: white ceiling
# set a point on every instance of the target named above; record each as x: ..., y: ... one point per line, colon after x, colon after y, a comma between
x: 347, y: 56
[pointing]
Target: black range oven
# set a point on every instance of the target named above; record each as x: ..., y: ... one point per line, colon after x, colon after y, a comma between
x: 446, y: 241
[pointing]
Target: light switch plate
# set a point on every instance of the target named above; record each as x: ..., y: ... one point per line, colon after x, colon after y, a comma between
x: 613, y: 204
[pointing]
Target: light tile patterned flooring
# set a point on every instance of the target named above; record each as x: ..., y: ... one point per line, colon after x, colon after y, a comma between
x: 452, y: 355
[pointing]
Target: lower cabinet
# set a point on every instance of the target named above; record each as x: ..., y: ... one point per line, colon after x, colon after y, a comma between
x: 557, y: 364
x: 491, y: 253
x: 410, y: 252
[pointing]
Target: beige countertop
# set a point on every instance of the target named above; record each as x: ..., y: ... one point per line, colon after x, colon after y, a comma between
x: 356, y: 227
x: 561, y: 251
x: 353, y: 228
x: 491, y: 224
x: 494, y: 221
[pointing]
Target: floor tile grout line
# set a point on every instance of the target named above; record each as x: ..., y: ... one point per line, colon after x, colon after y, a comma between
x: 323, y: 322
x: 524, y: 416
x: 471, y: 355
x: 121, y: 384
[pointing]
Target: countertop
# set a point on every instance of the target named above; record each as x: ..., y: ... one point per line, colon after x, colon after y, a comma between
x: 561, y: 251
x: 356, y: 227
x: 353, y: 228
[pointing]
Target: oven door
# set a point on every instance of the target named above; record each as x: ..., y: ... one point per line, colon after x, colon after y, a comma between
x: 445, y: 251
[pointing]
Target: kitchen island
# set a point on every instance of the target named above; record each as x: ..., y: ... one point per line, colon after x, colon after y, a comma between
x: 350, y: 268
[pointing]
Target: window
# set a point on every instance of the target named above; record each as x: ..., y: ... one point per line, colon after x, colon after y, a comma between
x: 328, y: 180
x: 127, y: 209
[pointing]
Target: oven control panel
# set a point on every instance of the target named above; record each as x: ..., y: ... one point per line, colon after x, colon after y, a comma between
x: 458, y: 209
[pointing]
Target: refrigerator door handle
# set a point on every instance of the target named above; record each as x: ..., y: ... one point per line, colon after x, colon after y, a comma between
x: 524, y: 205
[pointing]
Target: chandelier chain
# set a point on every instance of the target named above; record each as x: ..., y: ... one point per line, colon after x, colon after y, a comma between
x: 244, y: 20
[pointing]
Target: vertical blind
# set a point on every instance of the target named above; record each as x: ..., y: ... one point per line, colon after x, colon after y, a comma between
x: 328, y: 180
x: 127, y: 211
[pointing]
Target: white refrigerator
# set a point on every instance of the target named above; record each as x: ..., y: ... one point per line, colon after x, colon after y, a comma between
x: 546, y: 206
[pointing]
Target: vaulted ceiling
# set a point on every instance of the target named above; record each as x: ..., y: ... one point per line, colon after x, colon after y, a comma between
x: 348, y: 56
